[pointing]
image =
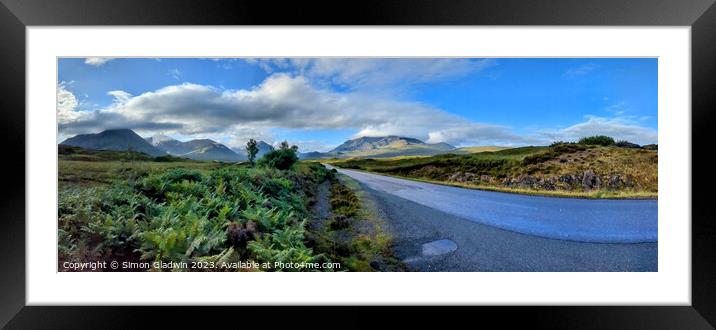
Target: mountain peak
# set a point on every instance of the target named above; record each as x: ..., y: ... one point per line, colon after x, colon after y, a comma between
x: 375, y: 142
x: 114, y: 139
x: 159, y: 139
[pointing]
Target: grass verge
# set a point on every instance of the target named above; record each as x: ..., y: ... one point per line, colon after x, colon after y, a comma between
x: 354, y: 234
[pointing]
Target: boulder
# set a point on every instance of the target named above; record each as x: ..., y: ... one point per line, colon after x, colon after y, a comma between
x: 590, y: 180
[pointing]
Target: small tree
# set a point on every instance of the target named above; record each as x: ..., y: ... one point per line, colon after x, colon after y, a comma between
x: 252, y: 149
x: 284, y: 146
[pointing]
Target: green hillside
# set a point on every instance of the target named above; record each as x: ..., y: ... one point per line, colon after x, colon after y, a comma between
x: 562, y: 170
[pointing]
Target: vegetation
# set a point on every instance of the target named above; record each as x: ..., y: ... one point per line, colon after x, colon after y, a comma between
x: 251, y: 150
x: 598, y: 140
x: 562, y: 169
x: 185, y: 215
x: 282, y: 158
x: 212, y: 216
x: 472, y: 150
x: 66, y: 152
x: 353, y: 234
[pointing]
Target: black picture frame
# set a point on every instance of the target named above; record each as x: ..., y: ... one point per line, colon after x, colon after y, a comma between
x: 15, y: 15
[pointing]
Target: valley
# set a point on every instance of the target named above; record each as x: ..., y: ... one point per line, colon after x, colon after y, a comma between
x: 369, y: 204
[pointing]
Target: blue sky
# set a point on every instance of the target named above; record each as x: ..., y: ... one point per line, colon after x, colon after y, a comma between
x: 319, y: 103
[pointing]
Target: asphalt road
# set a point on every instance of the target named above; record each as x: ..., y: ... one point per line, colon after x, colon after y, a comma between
x: 584, y: 220
x: 508, y: 232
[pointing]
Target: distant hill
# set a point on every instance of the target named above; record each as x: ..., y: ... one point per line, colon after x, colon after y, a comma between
x: 211, y: 150
x: 169, y: 144
x: 312, y: 155
x: 375, y: 142
x: 264, y: 148
x: 199, y: 149
x: 473, y: 150
x: 115, y: 140
x: 382, y: 146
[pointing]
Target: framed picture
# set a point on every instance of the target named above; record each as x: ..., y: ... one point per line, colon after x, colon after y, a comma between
x: 395, y: 154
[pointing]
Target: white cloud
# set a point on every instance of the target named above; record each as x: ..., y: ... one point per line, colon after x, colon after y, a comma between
x: 375, y: 74
x: 281, y: 101
x: 312, y: 145
x: 620, y: 128
x: 239, y: 135
x: 284, y: 101
x: 120, y: 97
x: 97, y: 61
x: 475, y: 134
x: 67, y: 104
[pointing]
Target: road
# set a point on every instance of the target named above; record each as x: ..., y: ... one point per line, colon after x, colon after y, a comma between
x: 497, y: 231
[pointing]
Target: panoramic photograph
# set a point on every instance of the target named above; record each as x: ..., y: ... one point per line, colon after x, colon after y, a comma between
x: 357, y: 164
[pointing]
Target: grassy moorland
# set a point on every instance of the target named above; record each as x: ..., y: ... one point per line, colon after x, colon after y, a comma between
x: 563, y: 169
x: 143, y: 211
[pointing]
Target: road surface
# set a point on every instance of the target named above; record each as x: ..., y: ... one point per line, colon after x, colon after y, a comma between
x: 574, y: 219
x: 508, y: 232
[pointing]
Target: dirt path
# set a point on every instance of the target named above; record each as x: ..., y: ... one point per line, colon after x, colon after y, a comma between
x: 322, y: 208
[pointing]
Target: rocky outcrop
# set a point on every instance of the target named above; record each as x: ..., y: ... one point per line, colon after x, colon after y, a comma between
x: 468, y: 177
x: 462, y: 177
x: 590, y: 181
x: 586, y: 181
x: 531, y: 182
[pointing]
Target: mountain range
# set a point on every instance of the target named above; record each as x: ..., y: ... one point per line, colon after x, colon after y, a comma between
x: 382, y: 146
x: 206, y: 149
x: 160, y: 145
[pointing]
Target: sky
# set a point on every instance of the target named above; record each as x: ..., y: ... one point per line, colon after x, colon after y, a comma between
x: 318, y: 103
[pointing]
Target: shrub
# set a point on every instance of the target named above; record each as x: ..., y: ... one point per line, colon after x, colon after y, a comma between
x: 556, y: 143
x: 167, y: 159
x: 599, y: 140
x: 282, y: 159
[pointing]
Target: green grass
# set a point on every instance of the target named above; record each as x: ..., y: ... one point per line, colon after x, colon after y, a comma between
x: 73, y: 173
x: 532, y: 170
x: 473, y: 150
